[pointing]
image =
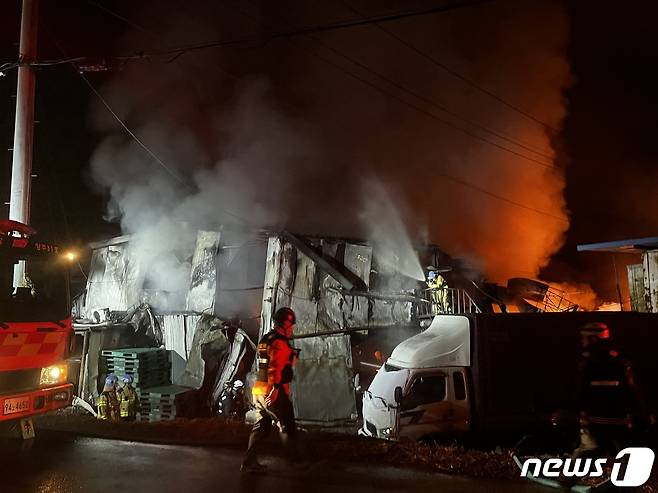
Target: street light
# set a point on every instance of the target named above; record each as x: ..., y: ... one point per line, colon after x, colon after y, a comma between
x: 71, y: 256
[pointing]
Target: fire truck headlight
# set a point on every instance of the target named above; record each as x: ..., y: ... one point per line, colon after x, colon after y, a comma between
x: 53, y: 375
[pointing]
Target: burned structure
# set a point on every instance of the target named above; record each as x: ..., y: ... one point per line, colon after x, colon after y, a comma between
x: 642, y: 276
x: 126, y: 304
x: 339, y: 290
x: 352, y: 305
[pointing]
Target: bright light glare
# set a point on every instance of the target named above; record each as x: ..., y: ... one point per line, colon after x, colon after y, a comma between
x: 71, y: 256
x: 53, y: 375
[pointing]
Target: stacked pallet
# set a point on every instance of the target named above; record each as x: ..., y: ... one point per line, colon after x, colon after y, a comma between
x: 162, y: 403
x: 149, y: 367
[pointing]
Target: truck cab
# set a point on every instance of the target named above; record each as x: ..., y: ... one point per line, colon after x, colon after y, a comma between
x: 35, y: 325
x: 505, y: 375
x: 423, y: 388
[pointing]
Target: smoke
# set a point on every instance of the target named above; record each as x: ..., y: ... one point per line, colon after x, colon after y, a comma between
x: 579, y: 293
x: 505, y: 239
x: 297, y: 143
x: 387, y: 232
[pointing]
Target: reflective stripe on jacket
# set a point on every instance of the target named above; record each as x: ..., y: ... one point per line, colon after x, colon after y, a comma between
x: 128, y: 402
x: 276, y: 358
x: 108, y: 406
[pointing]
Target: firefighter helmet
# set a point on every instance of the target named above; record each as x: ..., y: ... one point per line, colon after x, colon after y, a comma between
x: 127, y: 378
x: 596, y: 329
x: 110, y: 382
x: 284, y: 315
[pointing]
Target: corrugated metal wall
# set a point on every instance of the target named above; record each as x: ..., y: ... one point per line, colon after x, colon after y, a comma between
x: 650, y: 266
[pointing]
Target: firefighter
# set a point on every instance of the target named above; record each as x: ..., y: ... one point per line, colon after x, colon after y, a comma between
x: 438, y: 289
x: 128, y: 399
x: 271, y: 391
x: 608, y: 396
x: 108, y: 402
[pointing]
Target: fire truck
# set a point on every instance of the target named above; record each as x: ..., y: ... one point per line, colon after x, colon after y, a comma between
x: 35, y: 325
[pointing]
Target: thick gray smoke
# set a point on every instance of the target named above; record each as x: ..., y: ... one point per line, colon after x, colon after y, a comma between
x: 386, y: 230
x: 289, y: 140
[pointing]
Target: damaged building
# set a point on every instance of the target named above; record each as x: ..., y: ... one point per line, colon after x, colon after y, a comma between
x: 641, y: 275
x: 352, y: 306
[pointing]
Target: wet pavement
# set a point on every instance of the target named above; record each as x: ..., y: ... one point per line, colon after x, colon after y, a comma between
x: 61, y: 463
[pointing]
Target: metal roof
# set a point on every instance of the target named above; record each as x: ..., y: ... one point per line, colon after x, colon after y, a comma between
x: 638, y: 245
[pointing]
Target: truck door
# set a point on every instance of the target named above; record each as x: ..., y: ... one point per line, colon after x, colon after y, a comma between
x: 424, y: 408
x: 460, y: 410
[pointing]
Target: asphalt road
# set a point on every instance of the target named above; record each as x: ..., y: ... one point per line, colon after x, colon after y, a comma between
x: 59, y: 463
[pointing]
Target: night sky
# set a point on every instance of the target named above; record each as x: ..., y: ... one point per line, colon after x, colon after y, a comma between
x: 606, y: 144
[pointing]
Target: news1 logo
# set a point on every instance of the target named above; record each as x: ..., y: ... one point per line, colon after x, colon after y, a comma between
x: 631, y: 467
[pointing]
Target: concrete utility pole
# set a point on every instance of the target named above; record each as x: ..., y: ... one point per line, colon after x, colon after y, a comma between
x: 21, y: 170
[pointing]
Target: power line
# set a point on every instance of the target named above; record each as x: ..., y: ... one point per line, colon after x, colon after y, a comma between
x: 139, y: 141
x: 426, y: 100
x: 130, y: 132
x: 360, y: 21
x: 377, y: 88
x: 430, y: 102
x: 454, y: 73
x: 120, y: 17
x: 148, y: 151
x: 455, y: 179
x: 439, y: 173
x: 445, y: 175
x: 181, y: 50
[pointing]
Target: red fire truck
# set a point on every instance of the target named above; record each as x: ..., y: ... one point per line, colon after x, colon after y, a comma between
x: 35, y: 325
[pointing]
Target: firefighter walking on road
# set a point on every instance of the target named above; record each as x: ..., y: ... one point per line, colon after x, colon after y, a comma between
x: 610, y: 401
x: 271, y: 391
x: 128, y: 400
x: 108, y: 401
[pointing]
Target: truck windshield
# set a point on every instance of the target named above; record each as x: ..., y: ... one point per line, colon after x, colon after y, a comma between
x: 384, y: 383
x: 44, y: 299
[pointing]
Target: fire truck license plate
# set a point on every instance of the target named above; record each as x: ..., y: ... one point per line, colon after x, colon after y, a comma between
x: 17, y: 405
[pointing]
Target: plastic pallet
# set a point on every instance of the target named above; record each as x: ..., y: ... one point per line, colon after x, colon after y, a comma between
x: 139, y: 375
x: 167, y: 391
x: 134, y: 352
x: 155, y: 418
x: 144, y: 372
x: 159, y: 355
x: 121, y: 362
x: 158, y: 414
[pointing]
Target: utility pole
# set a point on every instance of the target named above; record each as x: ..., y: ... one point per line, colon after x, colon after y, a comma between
x: 21, y: 169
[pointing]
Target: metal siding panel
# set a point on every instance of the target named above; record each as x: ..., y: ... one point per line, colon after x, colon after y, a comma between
x: 272, y: 267
x: 191, y: 323
x: 304, y: 295
x: 115, y: 280
x: 203, y: 279
x: 636, y: 287
x: 173, y: 336
x: 358, y: 260
x: 286, y: 276
x: 323, y: 387
x: 650, y: 263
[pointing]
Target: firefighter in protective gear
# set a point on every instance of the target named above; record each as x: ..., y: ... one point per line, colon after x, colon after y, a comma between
x: 108, y: 402
x: 438, y: 290
x: 128, y: 400
x: 608, y: 396
x: 271, y: 391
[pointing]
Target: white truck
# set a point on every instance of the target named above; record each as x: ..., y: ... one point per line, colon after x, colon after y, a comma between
x: 496, y: 373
